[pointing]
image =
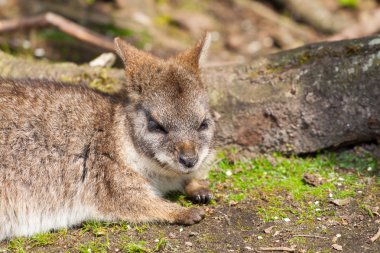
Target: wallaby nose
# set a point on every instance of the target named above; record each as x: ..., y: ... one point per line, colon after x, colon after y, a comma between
x: 188, y: 161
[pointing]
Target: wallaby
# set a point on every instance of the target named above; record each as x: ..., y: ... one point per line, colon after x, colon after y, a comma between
x: 69, y: 154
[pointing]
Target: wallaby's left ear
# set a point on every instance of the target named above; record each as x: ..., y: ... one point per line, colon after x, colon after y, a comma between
x: 131, y: 56
x: 195, y: 56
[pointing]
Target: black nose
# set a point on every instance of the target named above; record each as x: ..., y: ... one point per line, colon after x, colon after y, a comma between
x: 188, y: 161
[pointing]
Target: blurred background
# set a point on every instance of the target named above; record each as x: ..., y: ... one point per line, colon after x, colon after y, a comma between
x: 241, y: 29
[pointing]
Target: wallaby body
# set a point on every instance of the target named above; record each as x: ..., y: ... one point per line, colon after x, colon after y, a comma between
x: 69, y: 154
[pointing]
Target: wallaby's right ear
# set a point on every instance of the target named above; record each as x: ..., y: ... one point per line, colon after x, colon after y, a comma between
x: 195, y: 56
x: 130, y: 55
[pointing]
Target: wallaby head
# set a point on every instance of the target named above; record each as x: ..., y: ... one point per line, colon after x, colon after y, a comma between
x: 168, y: 106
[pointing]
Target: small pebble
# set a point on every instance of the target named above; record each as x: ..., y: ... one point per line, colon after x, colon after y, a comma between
x: 171, y: 235
x: 286, y: 219
x: 188, y: 244
x: 337, y: 247
x: 103, y: 60
x: 193, y: 234
x: 260, y: 237
x: 39, y: 52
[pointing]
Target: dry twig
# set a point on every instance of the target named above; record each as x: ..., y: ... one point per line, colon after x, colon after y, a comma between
x: 317, y: 15
x: 287, y: 249
x: 376, y: 236
x: 365, y: 27
x: 63, y: 24
x: 311, y: 236
x: 290, y: 33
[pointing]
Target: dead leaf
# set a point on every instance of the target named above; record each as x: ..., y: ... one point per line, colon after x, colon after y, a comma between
x: 337, y: 247
x: 268, y: 230
x: 341, y: 202
x: 312, y: 179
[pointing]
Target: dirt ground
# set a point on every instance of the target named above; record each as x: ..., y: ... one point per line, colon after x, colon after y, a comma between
x: 238, y: 229
x: 290, y: 216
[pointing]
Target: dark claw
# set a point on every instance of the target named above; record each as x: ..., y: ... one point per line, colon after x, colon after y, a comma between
x: 201, y: 198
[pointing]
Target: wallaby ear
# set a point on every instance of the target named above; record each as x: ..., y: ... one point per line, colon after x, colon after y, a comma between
x: 130, y: 55
x: 196, y: 56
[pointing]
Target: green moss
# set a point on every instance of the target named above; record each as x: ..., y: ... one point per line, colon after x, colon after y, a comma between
x: 276, y: 183
x: 304, y: 58
x: 270, y: 69
x: 100, y: 81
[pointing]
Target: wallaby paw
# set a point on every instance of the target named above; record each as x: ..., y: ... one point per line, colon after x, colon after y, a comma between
x: 201, y: 196
x: 190, y: 216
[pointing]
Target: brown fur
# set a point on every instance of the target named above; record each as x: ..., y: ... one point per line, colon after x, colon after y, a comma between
x: 68, y: 153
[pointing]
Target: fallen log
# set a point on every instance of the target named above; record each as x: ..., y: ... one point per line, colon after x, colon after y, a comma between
x: 297, y: 101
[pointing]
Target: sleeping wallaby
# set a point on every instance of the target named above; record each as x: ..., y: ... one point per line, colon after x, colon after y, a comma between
x: 69, y: 154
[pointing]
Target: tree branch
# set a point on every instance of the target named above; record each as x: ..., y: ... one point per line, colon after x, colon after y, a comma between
x: 63, y: 24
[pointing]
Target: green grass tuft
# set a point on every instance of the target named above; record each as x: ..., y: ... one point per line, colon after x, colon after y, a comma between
x: 44, y: 239
x: 96, y: 246
x: 133, y: 247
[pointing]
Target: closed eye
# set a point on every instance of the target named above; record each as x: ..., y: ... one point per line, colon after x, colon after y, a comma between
x: 204, y: 125
x: 154, y: 126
